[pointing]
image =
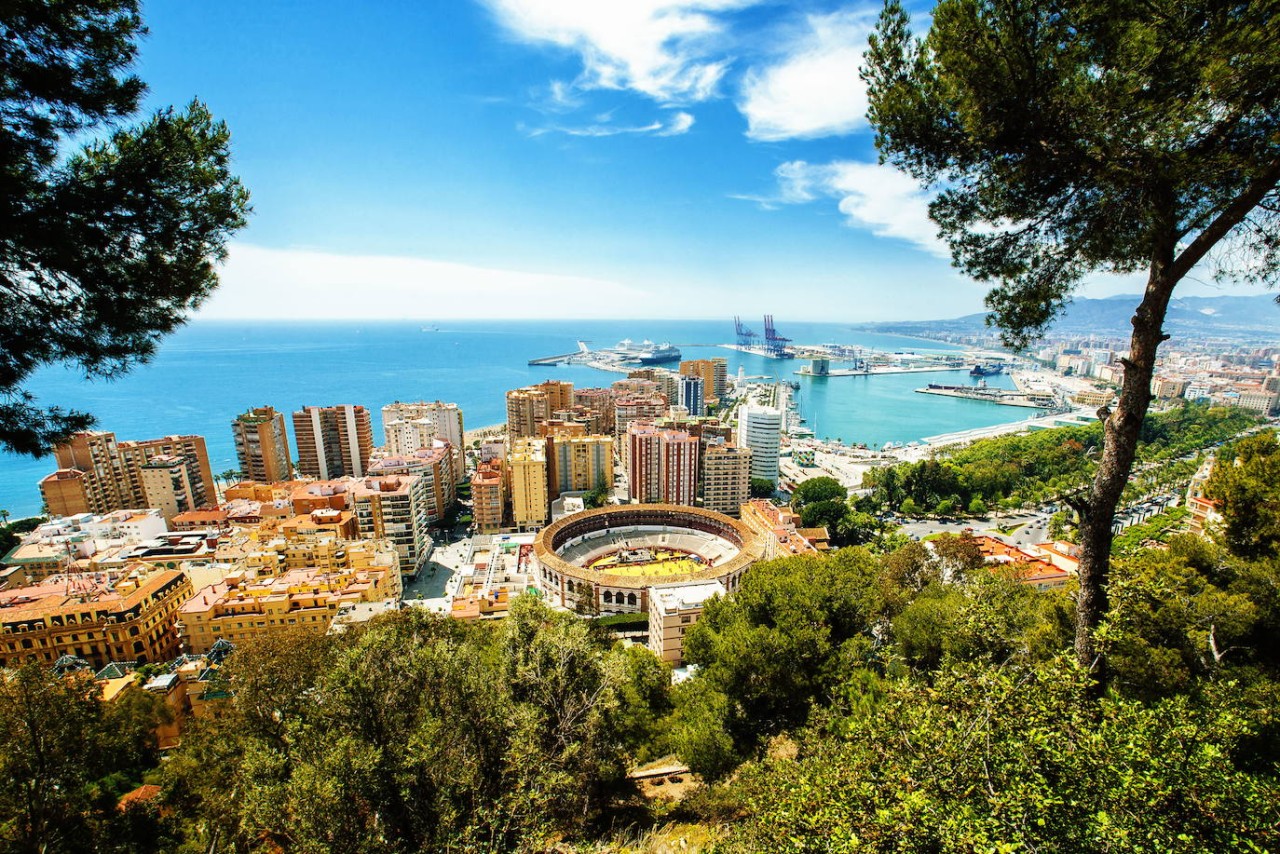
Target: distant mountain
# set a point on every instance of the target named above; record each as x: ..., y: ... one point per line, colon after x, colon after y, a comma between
x: 1225, y: 316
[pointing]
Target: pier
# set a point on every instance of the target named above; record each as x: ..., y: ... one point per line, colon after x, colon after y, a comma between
x: 555, y: 360
x: 992, y: 395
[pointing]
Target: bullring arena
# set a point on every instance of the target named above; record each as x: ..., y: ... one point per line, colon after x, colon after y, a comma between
x: 605, y: 560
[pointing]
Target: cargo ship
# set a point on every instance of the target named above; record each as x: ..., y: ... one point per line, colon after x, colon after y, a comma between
x: 988, y: 370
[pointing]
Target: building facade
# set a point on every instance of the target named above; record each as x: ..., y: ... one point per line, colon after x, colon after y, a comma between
x: 579, y: 463
x: 333, y: 441
x: 240, y: 607
x: 714, y: 374
x: 529, y: 406
x: 726, y: 478
x: 691, y: 396
x: 673, y: 610
x: 489, y: 496
x: 662, y: 465
x: 95, y: 616
x: 172, y: 485
x: 97, y: 474
x: 760, y: 429
x: 527, y: 465
x: 407, y: 427
x: 262, y: 446
x: 395, y: 508
x: 637, y: 408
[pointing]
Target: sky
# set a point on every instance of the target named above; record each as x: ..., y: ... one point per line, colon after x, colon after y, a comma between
x: 556, y: 158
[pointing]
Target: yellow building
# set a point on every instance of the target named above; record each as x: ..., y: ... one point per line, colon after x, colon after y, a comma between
x: 579, y: 463
x: 778, y: 525
x: 527, y: 465
x: 1093, y: 397
x: 99, y: 617
x: 240, y: 607
x: 172, y: 485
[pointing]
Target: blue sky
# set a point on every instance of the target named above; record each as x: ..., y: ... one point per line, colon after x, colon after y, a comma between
x: 554, y: 158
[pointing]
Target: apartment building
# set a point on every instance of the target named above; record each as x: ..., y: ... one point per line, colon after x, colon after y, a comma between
x: 395, y: 508
x: 579, y: 463
x: 97, y: 474
x: 262, y: 446
x: 529, y: 406
x: 760, y: 429
x: 527, y: 468
x: 333, y: 441
x: 489, y: 496
x: 673, y: 610
x: 100, y: 617
x: 714, y: 374
x: 726, y: 478
x: 662, y: 465
x: 241, y: 607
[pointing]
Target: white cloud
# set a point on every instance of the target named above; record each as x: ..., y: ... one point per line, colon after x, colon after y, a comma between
x: 814, y: 90
x: 873, y: 197
x: 307, y: 284
x: 679, y: 124
x: 661, y: 48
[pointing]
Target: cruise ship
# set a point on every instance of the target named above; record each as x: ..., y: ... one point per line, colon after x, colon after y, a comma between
x: 646, y: 352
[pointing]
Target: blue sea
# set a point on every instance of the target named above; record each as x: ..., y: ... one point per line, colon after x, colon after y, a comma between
x: 208, y: 372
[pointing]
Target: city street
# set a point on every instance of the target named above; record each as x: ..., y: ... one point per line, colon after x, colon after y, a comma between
x: 431, y: 581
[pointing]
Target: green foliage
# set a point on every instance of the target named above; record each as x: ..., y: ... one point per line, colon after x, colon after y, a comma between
x: 597, y: 497
x: 1077, y: 137
x: 66, y: 757
x: 824, y: 514
x: 786, y: 637
x: 1158, y: 528
x: 1246, y: 481
x: 108, y: 246
x: 421, y: 733
x: 762, y: 487
x: 1188, y: 615
x: 1018, y: 758
x: 989, y: 617
x: 1013, y: 471
x: 818, y: 489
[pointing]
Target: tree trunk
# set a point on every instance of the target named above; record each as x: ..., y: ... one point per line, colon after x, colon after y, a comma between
x: 1121, y: 429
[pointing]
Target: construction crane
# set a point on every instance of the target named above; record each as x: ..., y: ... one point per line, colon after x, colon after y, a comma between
x: 774, y: 344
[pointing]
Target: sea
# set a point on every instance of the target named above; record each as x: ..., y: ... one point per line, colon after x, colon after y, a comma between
x: 209, y: 371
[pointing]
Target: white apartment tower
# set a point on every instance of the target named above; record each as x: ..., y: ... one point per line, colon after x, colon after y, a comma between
x: 760, y: 429
x: 410, y: 426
